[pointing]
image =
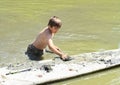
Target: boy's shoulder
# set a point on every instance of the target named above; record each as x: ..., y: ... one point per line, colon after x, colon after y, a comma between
x: 46, y: 32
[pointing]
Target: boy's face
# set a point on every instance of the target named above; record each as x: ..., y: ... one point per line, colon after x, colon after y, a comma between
x: 54, y: 29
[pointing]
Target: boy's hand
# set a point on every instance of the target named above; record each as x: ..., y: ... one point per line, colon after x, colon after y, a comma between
x: 65, y: 57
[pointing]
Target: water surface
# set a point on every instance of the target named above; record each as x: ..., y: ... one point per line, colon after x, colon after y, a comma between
x: 88, y: 25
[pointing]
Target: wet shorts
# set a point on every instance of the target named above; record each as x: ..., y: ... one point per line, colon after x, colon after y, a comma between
x: 34, y: 53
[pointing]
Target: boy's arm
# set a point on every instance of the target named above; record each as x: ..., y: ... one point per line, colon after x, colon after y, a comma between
x: 58, y: 48
x: 55, y: 49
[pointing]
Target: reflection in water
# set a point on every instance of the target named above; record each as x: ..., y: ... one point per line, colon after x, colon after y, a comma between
x: 115, y: 81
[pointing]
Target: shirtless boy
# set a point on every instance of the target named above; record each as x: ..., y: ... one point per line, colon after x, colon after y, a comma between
x: 44, y: 39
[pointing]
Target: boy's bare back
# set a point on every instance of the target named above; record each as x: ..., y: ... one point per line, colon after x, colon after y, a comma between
x: 41, y: 40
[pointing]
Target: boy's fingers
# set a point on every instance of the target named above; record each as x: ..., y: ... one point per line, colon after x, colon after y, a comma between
x: 67, y: 58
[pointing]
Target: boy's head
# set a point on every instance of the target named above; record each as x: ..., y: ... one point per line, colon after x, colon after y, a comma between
x: 54, y: 22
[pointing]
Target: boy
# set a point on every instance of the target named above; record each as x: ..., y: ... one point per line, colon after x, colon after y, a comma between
x: 35, y: 50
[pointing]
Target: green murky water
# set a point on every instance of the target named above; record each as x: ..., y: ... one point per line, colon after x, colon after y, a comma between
x: 88, y: 25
